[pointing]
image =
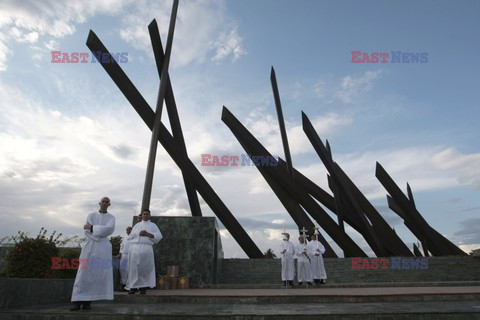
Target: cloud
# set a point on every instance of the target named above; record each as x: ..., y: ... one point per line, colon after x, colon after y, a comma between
x: 467, y: 166
x: 27, y: 21
x: 229, y: 45
x: 468, y: 234
x: 352, y: 86
x: 4, y: 52
x: 124, y: 151
x: 266, y: 129
x: 417, y: 166
x: 198, y: 22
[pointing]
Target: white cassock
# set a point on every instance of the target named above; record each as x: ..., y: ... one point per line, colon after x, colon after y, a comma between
x: 95, y: 282
x: 123, y: 267
x: 288, y: 268
x: 141, y: 263
x: 304, y: 272
x: 316, y: 250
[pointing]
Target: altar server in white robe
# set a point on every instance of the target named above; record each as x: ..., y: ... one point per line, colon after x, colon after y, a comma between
x: 94, y: 280
x: 304, y: 272
x: 123, y: 255
x: 141, y: 263
x: 316, y: 250
x: 287, y: 250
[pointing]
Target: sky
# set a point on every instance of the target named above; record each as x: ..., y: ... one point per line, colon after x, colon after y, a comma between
x: 69, y: 137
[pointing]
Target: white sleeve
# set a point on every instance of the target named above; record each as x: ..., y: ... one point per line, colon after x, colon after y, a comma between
x: 104, y: 231
x: 322, y: 248
x: 157, y: 235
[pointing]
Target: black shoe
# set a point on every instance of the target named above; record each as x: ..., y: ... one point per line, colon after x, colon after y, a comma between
x: 309, y: 283
x: 323, y: 281
x: 143, y: 290
x: 86, y: 305
x: 132, y: 291
x: 284, y: 283
x: 290, y: 283
x: 300, y: 283
x: 76, y: 306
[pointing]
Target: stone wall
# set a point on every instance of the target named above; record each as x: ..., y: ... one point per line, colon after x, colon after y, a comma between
x: 24, y: 292
x: 193, y: 244
x: 339, y: 270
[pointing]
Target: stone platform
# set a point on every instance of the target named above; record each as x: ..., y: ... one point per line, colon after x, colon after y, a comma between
x: 326, y: 302
x: 339, y: 270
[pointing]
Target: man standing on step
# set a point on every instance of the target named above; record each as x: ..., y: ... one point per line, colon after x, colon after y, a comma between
x: 304, y: 271
x: 94, y: 281
x: 316, y: 250
x: 141, y: 263
x: 123, y: 256
x: 287, y: 250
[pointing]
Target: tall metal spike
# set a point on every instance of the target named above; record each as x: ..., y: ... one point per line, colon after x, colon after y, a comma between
x: 147, y: 189
x: 178, y: 155
x: 281, y: 121
x: 173, y: 115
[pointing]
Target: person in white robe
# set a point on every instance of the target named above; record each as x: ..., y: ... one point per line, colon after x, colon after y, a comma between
x: 94, y: 280
x: 123, y: 256
x: 141, y: 263
x: 287, y: 251
x: 304, y: 272
x: 316, y: 250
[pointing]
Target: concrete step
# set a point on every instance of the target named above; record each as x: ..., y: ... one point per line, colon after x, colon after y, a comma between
x: 459, y: 310
x: 345, y: 285
x: 304, y: 295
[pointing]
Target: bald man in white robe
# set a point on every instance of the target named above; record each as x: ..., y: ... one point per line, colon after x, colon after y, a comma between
x: 94, y: 281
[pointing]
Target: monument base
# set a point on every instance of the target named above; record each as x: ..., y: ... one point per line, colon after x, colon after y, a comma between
x: 193, y: 244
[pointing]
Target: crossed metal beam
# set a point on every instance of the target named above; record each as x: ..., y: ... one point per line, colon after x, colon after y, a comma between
x: 295, y: 191
x: 171, y: 143
x: 431, y: 239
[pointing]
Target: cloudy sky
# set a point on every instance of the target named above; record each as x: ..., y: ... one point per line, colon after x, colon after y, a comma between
x: 68, y: 136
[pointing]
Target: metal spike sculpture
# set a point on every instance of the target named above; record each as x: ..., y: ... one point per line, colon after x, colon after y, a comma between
x: 171, y: 145
x: 296, y: 192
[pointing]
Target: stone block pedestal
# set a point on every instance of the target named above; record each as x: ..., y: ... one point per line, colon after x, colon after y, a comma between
x: 193, y: 244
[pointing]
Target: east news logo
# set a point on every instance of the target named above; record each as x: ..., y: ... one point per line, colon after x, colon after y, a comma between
x: 396, y: 57
x: 398, y: 263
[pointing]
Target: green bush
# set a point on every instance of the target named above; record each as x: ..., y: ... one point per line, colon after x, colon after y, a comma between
x: 31, y: 257
x: 115, y: 241
x: 269, y: 254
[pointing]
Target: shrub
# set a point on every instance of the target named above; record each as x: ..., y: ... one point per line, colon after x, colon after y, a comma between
x: 269, y: 254
x: 115, y: 241
x: 31, y: 257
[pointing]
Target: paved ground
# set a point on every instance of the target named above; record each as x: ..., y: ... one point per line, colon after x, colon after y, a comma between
x: 322, y: 291
x: 464, y: 310
x: 433, y: 303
